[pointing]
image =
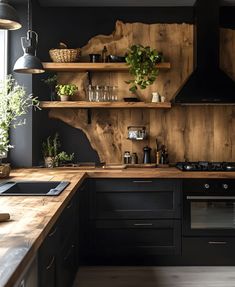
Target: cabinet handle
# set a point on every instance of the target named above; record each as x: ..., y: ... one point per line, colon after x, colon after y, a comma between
x: 217, y: 242
x: 142, y: 181
x: 51, y: 263
x: 143, y: 224
x: 70, y: 205
x: 53, y: 232
x: 211, y: 197
x: 67, y: 255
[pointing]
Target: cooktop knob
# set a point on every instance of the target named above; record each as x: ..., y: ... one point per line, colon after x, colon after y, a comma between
x: 225, y: 186
x: 207, y: 186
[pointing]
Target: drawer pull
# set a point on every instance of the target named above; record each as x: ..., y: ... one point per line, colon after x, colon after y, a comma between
x: 53, y: 232
x: 142, y: 181
x: 51, y: 263
x: 70, y: 205
x: 143, y: 224
x: 217, y: 242
x: 69, y: 252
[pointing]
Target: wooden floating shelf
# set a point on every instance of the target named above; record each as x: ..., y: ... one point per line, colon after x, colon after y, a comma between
x: 102, y: 67
x: 108, y: 105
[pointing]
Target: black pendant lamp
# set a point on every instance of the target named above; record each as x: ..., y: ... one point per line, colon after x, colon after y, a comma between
x: 29, y: 62
x: 9, y: 19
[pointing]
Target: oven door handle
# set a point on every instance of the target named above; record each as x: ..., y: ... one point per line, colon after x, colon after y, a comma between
x: 211, y: 197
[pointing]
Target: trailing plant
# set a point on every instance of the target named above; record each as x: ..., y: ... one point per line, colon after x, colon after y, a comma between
x: 142, y: 66
x: 14, y: 103
x: 64, y: 157
x: 66, y: 90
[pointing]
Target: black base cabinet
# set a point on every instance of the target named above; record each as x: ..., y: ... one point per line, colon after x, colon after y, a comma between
x: 134, y: 217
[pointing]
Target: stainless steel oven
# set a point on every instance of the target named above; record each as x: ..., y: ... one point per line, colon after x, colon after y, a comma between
x: 209, y: 207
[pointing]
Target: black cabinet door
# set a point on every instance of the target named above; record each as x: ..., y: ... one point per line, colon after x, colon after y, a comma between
x: 67, y: 264
x: 47, y: 259
x: 135, y: 199
x: 139, y: 237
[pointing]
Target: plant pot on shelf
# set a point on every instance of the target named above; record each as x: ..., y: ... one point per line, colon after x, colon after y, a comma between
x: 5, y: 170
x: 64, y: 98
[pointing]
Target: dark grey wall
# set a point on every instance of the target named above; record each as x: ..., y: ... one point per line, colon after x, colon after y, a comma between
x: 21, y: 137
x: 75, y: 26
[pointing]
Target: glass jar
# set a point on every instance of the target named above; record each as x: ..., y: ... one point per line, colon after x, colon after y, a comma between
x: 127, y: 157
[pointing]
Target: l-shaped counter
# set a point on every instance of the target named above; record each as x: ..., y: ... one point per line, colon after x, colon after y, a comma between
x: 33, y: 216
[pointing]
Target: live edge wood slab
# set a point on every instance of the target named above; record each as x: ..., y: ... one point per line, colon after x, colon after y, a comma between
x: 33, y: 216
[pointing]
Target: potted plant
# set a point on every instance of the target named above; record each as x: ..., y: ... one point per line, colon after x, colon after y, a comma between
x: 50, y: 150
x: 51, y: 154
x: 51, y: 82
x: 142, y: 66
x: 66, y: 91
x: 14, y: 103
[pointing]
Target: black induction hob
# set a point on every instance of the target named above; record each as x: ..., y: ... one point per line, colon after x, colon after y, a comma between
x: 206, y: 166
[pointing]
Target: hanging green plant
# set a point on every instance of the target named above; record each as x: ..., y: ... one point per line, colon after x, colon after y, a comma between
x: 142, y: 66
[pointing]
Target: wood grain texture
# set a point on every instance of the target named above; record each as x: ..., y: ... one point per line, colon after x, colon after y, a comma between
x: 172, y: 276
x: 190, y: 132
x: 104, y: 105
x: 85, y: 67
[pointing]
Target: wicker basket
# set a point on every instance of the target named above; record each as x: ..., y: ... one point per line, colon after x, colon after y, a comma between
x: 65, y: 55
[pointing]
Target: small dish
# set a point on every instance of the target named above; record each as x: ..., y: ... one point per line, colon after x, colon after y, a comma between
x: 116, y: 59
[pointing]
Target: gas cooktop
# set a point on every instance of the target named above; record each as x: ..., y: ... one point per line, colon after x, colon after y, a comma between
x: 206, y: 166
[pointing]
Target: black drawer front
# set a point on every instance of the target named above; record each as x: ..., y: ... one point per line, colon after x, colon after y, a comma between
x: 137, y: 237
x: 209, y: 185
x: 134, y: 205
x: 138, y: 184
x: 208, y: 250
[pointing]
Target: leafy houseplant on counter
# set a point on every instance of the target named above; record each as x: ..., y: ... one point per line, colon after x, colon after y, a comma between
x: 14, y: 103
x: 51, y: 154
x: 142, y: 66
x: 66, y: 91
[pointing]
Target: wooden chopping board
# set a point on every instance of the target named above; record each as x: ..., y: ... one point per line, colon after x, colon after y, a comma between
x: 4, y: 217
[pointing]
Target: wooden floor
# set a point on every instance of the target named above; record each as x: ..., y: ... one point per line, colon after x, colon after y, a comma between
x: 155, y: 277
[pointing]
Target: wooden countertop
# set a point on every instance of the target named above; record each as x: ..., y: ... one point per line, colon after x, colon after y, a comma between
x: 33, y: 216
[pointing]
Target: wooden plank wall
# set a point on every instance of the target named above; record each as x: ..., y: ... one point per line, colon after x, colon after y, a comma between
x: 190, y: 132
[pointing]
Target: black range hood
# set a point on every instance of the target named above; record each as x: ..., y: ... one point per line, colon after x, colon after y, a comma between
x: 208, y: 84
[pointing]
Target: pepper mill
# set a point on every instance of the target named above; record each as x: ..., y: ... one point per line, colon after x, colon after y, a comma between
x: 147, y: 154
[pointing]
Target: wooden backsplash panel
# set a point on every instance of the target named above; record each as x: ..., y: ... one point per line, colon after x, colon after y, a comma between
x: 190, y: 132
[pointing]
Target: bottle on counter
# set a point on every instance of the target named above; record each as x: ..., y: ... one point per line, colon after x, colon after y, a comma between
x: 157, y: 157
x: 164, y: 155
x: 104, y: 55
x: 147, y: 154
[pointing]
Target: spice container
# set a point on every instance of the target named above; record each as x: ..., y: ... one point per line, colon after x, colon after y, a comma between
x: 127, y: 157
x: 134, y: 158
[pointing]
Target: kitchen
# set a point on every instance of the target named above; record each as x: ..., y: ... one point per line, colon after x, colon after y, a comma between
x: 133, y: 218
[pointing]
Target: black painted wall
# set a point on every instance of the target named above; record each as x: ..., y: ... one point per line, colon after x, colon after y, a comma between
x: 75, y: 26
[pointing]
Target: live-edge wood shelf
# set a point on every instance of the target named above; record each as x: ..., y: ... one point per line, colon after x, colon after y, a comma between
x: 109, y: 105
x: 101, y: 67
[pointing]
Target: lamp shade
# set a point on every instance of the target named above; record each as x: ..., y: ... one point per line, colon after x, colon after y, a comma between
x: 9, y: 19
x: 28, y: 64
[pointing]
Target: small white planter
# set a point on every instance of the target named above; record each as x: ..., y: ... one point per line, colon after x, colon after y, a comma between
x: 64, y: 98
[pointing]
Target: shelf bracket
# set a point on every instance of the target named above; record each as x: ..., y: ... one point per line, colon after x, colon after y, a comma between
x: 89, y: 114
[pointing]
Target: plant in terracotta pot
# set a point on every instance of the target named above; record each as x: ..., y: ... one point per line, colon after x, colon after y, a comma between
x: 65, y: 91
x: 142, y: 66
x: 14, y: 104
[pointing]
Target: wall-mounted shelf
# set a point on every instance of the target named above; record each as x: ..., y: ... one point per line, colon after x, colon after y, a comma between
x: 108, y: 105
x: 101, y: 67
